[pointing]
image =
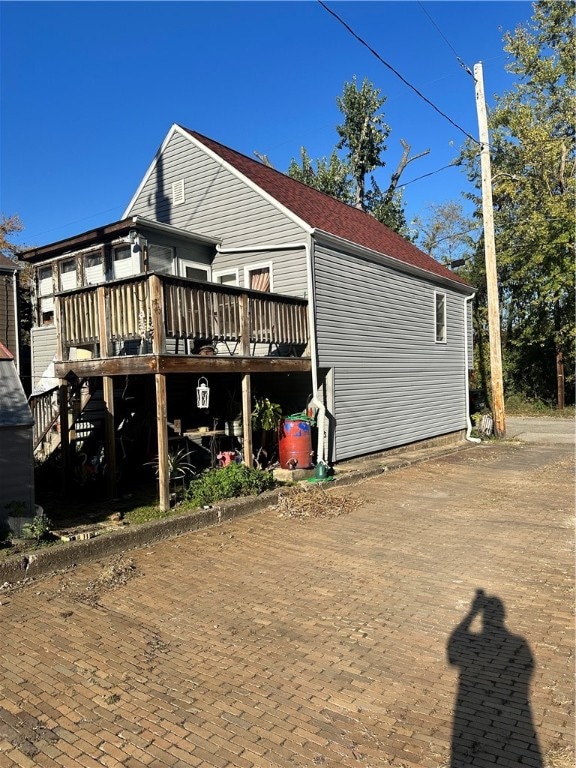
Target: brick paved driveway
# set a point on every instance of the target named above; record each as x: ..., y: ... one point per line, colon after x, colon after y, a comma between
x: 280, y: 641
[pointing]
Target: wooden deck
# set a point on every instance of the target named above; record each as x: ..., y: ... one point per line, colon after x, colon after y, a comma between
x: 158, y: 323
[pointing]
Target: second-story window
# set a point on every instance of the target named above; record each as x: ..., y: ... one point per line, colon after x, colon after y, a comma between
x: 46, y: 296
x: 94, y: 268
x: 122, y: 262
x: 160, y: 258
x: 45, y: 286
x: 68, y: 279
x: 258, y: 277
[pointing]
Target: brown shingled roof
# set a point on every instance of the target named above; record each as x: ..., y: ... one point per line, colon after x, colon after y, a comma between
x: 325, y: 213
x: 7, y: 263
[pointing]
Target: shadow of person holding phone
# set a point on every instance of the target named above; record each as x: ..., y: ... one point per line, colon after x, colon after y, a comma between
x: 492, y: 716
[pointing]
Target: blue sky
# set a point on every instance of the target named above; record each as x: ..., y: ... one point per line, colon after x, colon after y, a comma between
x: 90, y: 89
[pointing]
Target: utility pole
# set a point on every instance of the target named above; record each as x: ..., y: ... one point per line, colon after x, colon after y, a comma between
x: 490, y: 258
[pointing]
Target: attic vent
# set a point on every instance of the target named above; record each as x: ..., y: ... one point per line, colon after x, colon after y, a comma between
x: 178, y: 192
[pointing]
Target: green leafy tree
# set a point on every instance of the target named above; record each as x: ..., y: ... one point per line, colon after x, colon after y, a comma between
x: 363, y: 136
x: 388, y: 209
x: 447, y: 233
x: 533, y: 173
x: 331, y: 175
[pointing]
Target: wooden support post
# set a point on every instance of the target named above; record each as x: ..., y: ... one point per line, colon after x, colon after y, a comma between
x: 109, y: 435
x: 158, y: 318
x: 247, y: 419
x: 244, y: 303
x: 64, y: 433
x: 162, y: 431
x: 490, y: 258
x: 244, y: 306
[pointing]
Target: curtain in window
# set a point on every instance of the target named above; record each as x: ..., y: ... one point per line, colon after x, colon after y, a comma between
x: 260, y: 279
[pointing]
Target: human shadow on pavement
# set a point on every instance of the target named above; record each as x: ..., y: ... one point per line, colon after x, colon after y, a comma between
x: 492, y: 715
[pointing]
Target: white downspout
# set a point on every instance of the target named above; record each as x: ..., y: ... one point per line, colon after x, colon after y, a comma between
x: 466, y: 390
x: 311, y: 323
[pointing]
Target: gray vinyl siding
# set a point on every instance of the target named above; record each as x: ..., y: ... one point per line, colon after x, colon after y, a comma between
x: 43, y: 350
x: 393, y: 383
x: 17, y: 473
x: 221, y: 205
x: 16, y: 460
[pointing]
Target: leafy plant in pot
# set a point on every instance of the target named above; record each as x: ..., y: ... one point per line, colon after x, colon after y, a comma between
x: 266, y: 417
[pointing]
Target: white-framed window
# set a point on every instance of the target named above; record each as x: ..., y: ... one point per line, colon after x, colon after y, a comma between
x: 45, y: 286
x: 68, y: 279
x: 47, y: 311
x: 178, y: 193
x: 125, y: 262
x: 226, y: 277
x: 440, y: 317
x: 258, y: 277
x: 94, y: 268
x: 193, y: 270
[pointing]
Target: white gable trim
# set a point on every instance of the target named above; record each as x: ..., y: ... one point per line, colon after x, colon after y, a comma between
x: 234, y: 171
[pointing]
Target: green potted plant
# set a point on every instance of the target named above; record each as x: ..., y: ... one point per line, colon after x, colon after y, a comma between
x: 266, y: 417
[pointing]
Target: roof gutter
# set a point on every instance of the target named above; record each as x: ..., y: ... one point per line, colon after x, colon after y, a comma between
x: 170, y: 230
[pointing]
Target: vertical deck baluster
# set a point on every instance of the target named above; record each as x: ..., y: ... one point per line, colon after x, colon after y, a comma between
x: 171, y: 309
x: 181, y: 312
x: 135, y: 304
x: 194, y: 313
x: 118, y: 313
x: 187, y: 309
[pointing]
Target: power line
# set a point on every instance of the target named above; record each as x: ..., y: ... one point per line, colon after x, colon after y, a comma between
x: 458, y: 59
x: 450, y: 165
x: 391, y: 68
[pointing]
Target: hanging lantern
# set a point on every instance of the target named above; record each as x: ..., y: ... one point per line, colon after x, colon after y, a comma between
x: 202, y: 393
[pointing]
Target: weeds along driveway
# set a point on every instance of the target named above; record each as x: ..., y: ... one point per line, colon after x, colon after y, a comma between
x: 321, y: 640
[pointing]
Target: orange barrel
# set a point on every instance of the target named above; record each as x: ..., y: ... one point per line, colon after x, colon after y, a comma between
x: 295, y: 444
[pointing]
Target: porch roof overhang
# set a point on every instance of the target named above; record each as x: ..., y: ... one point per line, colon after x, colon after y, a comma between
x: 107, y: 233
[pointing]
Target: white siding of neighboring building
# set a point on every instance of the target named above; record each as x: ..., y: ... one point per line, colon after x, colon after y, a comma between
x: 393, y: 383
x: 218, y: 204
x: 43, y: 351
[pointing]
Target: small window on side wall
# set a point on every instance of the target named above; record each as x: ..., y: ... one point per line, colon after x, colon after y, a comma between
x: 440, y: 317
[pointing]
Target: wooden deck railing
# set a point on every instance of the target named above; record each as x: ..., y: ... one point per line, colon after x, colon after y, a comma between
x: 45, y: 412
x: 156, y: 308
